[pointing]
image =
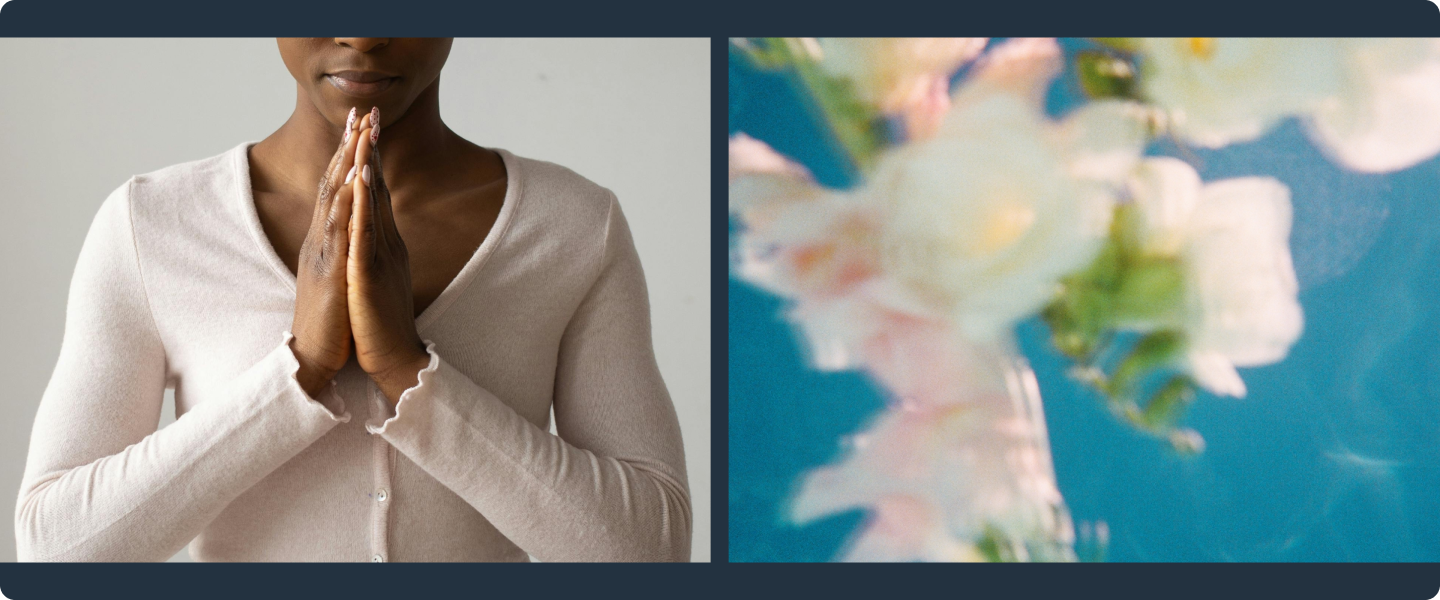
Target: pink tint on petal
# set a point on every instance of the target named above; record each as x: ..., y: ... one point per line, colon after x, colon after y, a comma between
x: 874, y: 545
x: 916, y: 62
x: 892, y: 457
x: 923, y: 114
x: 824, y: 491
x: 1021, y: 66
x: 905, y: 517
x: 901, y: 450
x: 919, y: 359
x: 905, y: 446
x: 837, y: 265
x: 750, y: 156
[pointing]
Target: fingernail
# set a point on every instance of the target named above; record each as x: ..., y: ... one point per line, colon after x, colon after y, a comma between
x: 349, y: 122
x: 364, y: 174
x: 374, y: 124
x: 351, y: 175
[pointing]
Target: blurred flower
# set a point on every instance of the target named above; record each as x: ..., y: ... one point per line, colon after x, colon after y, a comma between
x: 1386, y: 114
x: 749, y: 156
x: 1373, y: 105
x: 954, y: 462
x: 800, y: 240
x: 1224, y: 90
x: 984, y: 218
x: 906, y: 77
x: 904, y: 528
x: 815, y: 246
x: 976, y: 224
x: 938, y: 479
x: 1233, y: 237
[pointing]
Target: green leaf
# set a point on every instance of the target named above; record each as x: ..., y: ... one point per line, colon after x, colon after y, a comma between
x: 1104, y: 273
x: 1169, y: 402
x: 1151, y: 288
x: 993, y: 546
x: 1125, y: 288
x: 1155, y: 350
x: 763, y: 53
x: 1104, y: 75
x: 855, y: 126
x: 1063, y: 330
x: 1125, y: 229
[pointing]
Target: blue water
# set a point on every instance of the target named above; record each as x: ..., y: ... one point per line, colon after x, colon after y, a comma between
x: 1334, y: 455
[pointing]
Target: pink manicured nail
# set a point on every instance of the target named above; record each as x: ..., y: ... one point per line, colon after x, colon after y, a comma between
x: 364, y: 174
x: 374, y: 124
x: 351, y: 175
x: 349, y: 122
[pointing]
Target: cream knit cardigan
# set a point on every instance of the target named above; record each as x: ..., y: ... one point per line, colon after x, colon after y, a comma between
x: 177, y: 286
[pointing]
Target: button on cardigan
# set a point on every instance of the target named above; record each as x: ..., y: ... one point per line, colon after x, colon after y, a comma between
x: 177, y: 286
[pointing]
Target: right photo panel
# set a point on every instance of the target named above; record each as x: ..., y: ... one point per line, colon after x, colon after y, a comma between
x: 1084, y: 299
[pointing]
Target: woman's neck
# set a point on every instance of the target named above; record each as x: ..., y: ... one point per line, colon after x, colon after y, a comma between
x: 416, y: 148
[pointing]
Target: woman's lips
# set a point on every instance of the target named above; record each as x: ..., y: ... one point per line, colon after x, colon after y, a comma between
x: 359, y: 84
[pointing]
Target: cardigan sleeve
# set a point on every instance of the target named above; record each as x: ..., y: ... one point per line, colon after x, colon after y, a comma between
x: 101, y: 483
x: 612, y: 485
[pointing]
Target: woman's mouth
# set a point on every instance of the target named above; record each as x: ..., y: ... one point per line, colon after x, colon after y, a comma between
x: 360, y: 83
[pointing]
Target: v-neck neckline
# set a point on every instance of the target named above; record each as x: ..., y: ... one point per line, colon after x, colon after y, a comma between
x: 240, y: 162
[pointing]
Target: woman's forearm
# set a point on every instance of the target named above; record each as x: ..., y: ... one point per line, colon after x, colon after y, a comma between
x: 146, y: 501
x: 101, y: 483
x: 556, y: 500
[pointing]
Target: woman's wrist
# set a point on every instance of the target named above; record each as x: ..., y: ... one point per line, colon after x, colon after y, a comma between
x: 312, y: 379
x: 402, y: 375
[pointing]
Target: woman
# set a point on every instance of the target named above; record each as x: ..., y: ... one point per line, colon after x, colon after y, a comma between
x: 365, y: 373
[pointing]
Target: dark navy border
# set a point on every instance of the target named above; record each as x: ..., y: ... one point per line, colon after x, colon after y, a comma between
x: 719, y: 20
x: 719, y: 302
x: 668, y: 18
x: 1269, y: 581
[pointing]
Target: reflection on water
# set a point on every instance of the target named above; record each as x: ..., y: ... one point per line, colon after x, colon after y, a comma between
x: 1333, y: 456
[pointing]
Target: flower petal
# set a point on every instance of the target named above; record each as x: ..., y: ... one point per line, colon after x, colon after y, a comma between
x: 1214, y: 372
x: 1388, y: 116
x: 1243, y: 284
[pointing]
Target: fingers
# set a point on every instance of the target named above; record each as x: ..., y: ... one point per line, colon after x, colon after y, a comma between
x: 371, y: 220
x: 363, y: 156
x: 337, y: 226
x: 334, y: 233
x: 347, y: 157
x: 339, y: 167
x: 367, y: 157
x: 362, y: 217
x: 374, y: 124
x: 384, y: 211
x: 329, y: 181
x: 387, y: 233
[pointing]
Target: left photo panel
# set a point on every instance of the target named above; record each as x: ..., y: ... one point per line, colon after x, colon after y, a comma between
x: 293, y: 300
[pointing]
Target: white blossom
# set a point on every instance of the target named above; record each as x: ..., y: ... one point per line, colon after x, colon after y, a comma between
x: 938, y: 477
x: 891, y: 73
x: 983, y: 219
x: 1386, y: 114
x: 1233, y: 239
x: 1224, y: 90
x: 1373, y: 105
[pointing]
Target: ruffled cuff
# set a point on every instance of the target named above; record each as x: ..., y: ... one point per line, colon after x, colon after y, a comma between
x: 422, y: 392
x: 329, y: 402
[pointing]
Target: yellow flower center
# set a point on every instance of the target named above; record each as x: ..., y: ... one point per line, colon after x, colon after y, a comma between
x: 1202, y: 48
x: 1002, y: 226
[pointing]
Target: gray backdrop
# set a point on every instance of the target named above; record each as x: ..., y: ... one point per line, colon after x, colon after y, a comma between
x: 79, y: 117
